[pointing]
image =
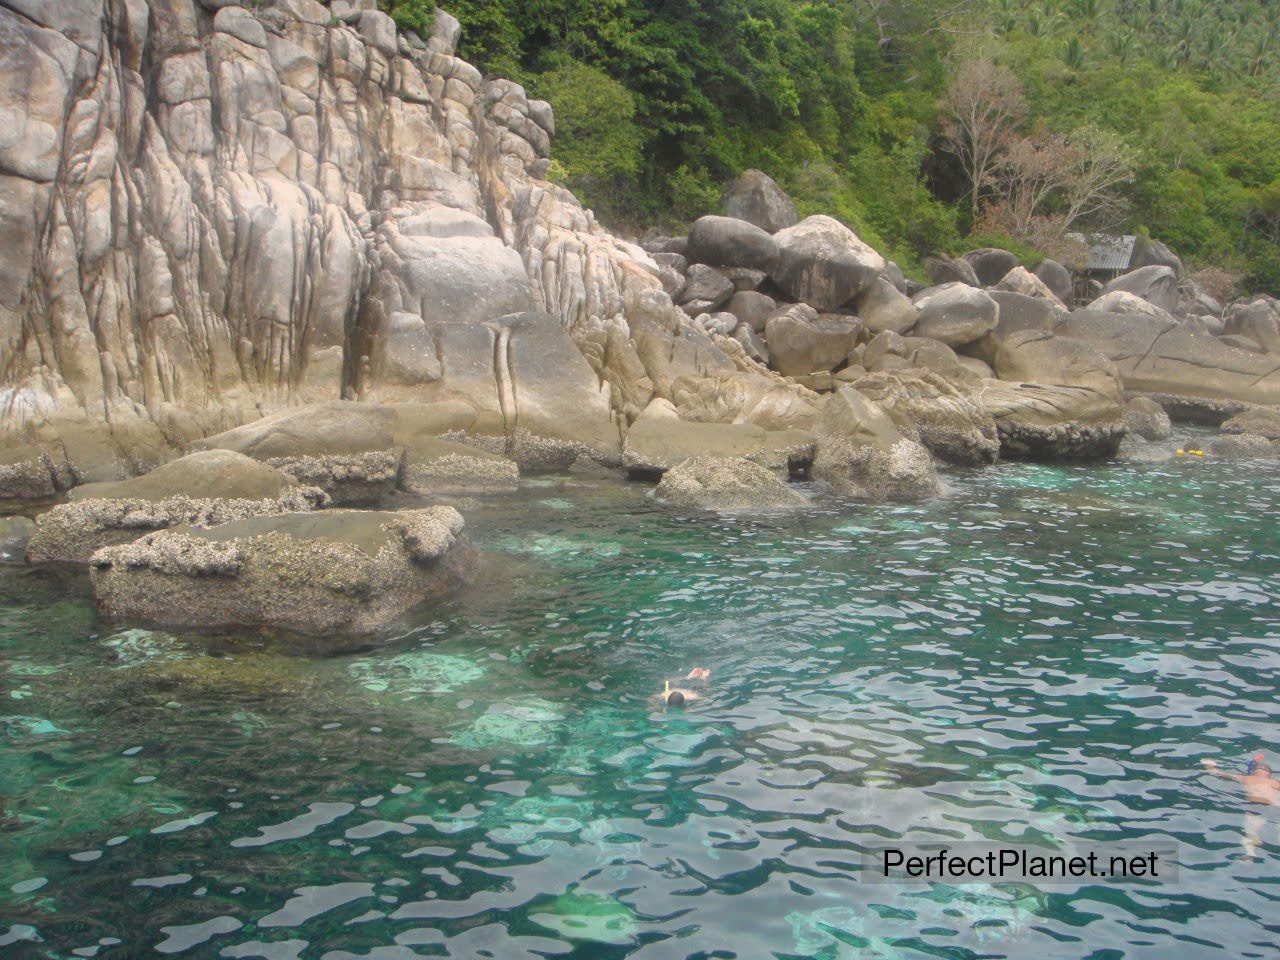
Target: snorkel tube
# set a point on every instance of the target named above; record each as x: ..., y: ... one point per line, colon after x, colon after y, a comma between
x: 1253, y: 765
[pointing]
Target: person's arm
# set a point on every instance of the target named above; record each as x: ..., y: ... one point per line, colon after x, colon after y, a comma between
x: 1217, y: 771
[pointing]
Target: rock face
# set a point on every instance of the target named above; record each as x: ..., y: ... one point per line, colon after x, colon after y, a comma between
x: 755, y: 198
x: 1191, y: 373
x: 882, y: 307
x: 1057, y: 278
x: 943, y: 270
x: 862, y: 453
x: 433, y: 466
x: 822, y: 262
x: 1020, y: 280
x: 339, y: 574
x: 729, y: 484
x: 211, y: 218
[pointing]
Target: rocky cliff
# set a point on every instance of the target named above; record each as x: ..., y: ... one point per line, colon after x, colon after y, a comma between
x: 209, y: 212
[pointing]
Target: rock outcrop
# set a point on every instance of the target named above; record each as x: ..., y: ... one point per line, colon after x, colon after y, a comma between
x: 756, y: 198
x: 215, y: 212
x: 340, y: 574
x: 729, y: 484
x: 862, y: 453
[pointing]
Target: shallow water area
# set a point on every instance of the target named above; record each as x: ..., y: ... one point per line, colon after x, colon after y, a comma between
x: 1045, y: 654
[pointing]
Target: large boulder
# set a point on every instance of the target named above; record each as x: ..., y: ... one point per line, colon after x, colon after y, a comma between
x: 1058, y: 279
x: 726, y: 483
x: 1145, y: 418
x: 943, y: 269
x: 822, y: 262
x: 1053, y: 422
x: 342, y: 447
x: 1122, y: 301
x: 803, y: 342
x: 727, y: 242
x: 990, y: 264
x: 752, y: 308
x: 1017, y: 312
x: 705, y: 289
x: 1156, y: 284
x: 1259, y: 320
x: 883, y: 307
x: 71, y: 532
x: 942, y: 415
x: 340, y: 574
x: 755, y: 198
x: 660, y: 440
x: 1153, y: 253
x: 205, y: 474
x: 955, y: 314
x: 1260, y: 421
x: 861, y: 452
x: 1020, y: 280
x: 1192, y: 375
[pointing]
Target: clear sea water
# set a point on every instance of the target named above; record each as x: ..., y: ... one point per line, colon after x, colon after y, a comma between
x: 1044, y: 655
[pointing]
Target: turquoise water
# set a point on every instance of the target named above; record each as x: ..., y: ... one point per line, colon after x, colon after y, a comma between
x: 1046, y: 653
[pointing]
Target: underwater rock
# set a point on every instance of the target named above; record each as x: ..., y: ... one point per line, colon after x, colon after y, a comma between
x: 525, y: 722
x: 341, y: 574
x: 414, y: 672
x: 1243, y: 446
x: 15, y: 534
x: 71, y: 532
x: 589, y: 917
x: 725, y: 483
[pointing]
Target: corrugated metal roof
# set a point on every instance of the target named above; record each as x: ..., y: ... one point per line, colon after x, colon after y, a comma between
x: 1107, y: 252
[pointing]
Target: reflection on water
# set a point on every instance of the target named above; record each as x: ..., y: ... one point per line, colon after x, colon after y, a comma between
x: 1045, y: 654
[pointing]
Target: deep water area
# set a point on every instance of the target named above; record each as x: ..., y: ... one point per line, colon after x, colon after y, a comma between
x: 1043, y: 656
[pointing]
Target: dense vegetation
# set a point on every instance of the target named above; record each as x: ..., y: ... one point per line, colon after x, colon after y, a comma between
x: 659, y: 102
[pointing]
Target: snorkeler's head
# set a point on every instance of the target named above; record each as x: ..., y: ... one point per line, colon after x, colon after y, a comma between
x: 1258, y: 765
x: 675, y: 699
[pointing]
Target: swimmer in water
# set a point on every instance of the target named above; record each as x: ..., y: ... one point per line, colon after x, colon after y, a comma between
x: 1259, y: 787
x: 679, y: 696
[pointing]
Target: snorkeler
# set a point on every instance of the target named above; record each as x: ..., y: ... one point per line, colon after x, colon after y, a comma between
x: 679, y: 696
x: 1259, y: 787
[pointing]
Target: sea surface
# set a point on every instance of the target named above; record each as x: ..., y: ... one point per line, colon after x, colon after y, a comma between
x: 1040, y: 659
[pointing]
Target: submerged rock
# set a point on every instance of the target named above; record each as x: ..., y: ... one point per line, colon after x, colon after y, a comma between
x: 725, y: 483
x: 71, y: 532
x: 1244, y: 446
x: 15, y: 534
x: 337, y: 573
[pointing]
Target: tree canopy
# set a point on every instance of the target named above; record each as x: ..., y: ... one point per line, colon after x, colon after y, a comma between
x: 845, y: 103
